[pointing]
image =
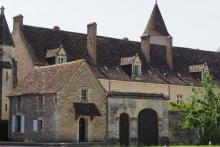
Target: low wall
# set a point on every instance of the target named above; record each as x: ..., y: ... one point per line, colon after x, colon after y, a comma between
x: 180, y: 136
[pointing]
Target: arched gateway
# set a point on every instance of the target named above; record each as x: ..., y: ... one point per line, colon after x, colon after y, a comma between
x: 148, y: 127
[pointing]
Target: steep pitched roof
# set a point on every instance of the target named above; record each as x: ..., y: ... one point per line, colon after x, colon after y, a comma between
x: 46, y: 79
x: 111, y: 50
x: 5, y: 35
x: 156, y: 25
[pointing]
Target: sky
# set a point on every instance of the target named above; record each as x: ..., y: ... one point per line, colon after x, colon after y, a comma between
x: 191, y: 23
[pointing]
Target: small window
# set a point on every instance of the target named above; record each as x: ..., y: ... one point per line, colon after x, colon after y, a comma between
x: 18, y: 124
x: 179, y: 98
x: 84, y: 94
x: 61, y: 59
x: 6, y: 75
x: 18, y: 103
x: 40, y: 125
x: 6, y: 107
x: 136, y: 70
x: 40, y: 102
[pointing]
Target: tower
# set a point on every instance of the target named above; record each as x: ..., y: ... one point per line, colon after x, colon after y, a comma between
x: 156, y: 33
x: 6, y: 65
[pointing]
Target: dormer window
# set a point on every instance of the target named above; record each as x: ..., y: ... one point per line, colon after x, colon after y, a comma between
x: 199, y: 71
x: 56, y: 56
x: 132, y: 66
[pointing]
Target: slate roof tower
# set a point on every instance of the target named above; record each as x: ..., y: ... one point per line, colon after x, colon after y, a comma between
x: 156, y: 33
x: 6, y: 61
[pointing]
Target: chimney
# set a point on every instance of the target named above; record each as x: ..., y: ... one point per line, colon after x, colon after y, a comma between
x: 17, y: 21
x: 56, y: 28
x: 169, y: 51
x: 91, y: 40
x: 145, y: 46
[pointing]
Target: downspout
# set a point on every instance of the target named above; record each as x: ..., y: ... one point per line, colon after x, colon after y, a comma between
x: 109, y: 89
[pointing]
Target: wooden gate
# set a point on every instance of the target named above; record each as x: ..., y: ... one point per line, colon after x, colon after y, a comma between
x: 124, y: 129
x: 147, y: 127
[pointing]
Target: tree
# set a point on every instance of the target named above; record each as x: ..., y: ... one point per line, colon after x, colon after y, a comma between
x: 202, y: 111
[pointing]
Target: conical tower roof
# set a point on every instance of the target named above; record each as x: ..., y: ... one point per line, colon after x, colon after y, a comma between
x: 5, y: 34
x: 156, y: 25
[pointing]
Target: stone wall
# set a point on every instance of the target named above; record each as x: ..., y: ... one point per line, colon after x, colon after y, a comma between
x: 23, y: 55
x: 132, y: 106
x: 67, y: 124
x: 169, y: 90
x: 31, y: 112
x: 178, y: 135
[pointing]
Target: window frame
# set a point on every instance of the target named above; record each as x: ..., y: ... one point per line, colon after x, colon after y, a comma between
x: 86, y: 96
x: 40, y: 103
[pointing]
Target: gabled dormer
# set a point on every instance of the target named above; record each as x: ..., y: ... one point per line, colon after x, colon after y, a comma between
x: 132, y: 66
x: 199, y: 71
x: 56, y: 56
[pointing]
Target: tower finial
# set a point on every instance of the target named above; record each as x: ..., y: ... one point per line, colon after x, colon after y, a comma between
x: 2, y: 10
x: 155, y: 1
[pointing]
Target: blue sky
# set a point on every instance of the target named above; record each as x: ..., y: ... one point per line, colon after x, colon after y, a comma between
x: 192, y: 23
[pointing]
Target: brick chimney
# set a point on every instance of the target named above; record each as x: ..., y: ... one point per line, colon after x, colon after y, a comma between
x: 91, y: 40
x: 17, y: 21
x: 169, y: 51
x: 145, y: 46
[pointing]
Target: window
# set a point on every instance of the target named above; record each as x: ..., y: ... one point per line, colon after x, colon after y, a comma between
x: 6, y: 107
x: 61, y: 59
x: 18, y: 124
x: 38, y: 125
x: 40, y: 102
x: 136, y: 70
x: 179, y: 98
x: 84, y: 94
x: 18, y: 103
x: 6, y: 76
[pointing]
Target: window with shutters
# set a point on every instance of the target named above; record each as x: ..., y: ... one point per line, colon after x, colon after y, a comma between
x: 18, y: 124
x: 38, y: 125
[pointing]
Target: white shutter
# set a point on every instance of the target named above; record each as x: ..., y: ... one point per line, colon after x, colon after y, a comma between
x: 13, y: 124
x: 22, y: 124
x: 35, y: 125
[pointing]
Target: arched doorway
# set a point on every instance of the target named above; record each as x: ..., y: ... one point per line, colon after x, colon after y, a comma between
x: 82, y: 130
x: 124, y: 129
x: 148, y: 127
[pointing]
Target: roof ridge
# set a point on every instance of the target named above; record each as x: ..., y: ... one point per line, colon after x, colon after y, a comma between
x: 58, y: 65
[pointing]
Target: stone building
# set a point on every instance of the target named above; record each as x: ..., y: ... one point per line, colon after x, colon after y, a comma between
x: 85, y: 87
x: 7, y: 63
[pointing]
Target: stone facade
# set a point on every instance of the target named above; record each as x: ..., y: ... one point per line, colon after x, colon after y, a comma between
x: 60, y: 123
x: 133, y: 106
x: 29, y: 109
x: 67, y: 124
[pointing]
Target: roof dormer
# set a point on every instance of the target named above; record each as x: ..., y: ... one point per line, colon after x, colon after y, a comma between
x: 132, y: 66
x: 199, y: 71
x: 56, y: 56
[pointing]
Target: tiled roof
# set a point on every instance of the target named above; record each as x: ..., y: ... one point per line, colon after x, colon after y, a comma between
x: 156, y: 25
x: 46, y: 79
x: 111, y: 50
x: 5, y: 34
